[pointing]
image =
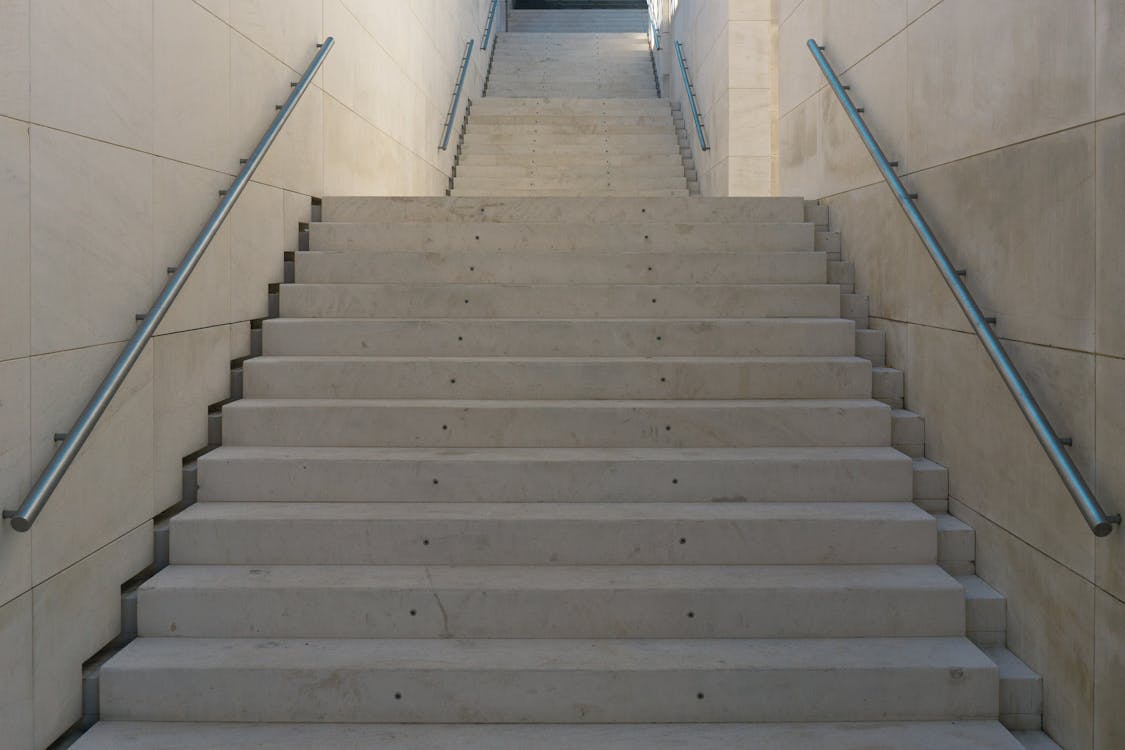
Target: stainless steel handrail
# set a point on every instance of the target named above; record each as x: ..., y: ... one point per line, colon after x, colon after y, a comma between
x: 488, y: 27
x: 653, y: 34
x: 1100, y: 523
x: 35, y: 501
x: 691, y: 96
x: 449, y: 117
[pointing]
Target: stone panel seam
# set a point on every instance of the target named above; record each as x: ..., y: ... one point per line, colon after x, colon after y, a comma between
x: 1002, y: 338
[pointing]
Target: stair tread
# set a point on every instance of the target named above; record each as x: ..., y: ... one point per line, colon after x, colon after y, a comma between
x: 358, y: 511
x: 549, y: 655
x: 942, y: 735
x: 551, y: 578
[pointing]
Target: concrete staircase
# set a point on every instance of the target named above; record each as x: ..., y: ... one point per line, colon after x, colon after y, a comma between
x: 560, y: 472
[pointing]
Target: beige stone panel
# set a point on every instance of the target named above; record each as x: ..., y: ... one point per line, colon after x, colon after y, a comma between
x: 287, y: 29
x: 257, y: 247
x: 15, y: 474
x: 17, y: 685
x: 799, y: 157
x: 877, y: 83
x: 1109, y: 672
x: 191, y: 86
x: 1109, y: 282
x: 854, y: 28
x: 259, y: 83
x: 108, y: 488
x: 717, y: 130
x: 749, y: 175
x: 340, y: 125
x: 1021, y: 221
x: 184, y: 198
x: 1109, y: 82
x: 92, y: 69
x: 88, y: 593
x: 749, y: 54
x: 749, y: 127
x: 191, y: 371
x: 392, y: 25
x: 716, y: 181
x: 751, y: 10
x: 220, y: 8
x: 91, y: 240
x: 297, y: 208
x: 1109, y: 486
x: 983, y: 75
x: 14, y: 58
x: 15, y: 250
x: 1050, y: 614
x: 800, y: 76
x: 996, y: 466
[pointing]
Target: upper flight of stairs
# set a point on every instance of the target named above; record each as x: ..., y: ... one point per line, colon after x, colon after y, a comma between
x: 518, y: 470
x: 571, y: 111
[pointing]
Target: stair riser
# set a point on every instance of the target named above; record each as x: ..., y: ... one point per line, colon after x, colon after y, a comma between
x: 747, y: 424
x: 576, y: 212
x: 661, y: 238
x: 565, y: 163
x: 429, y: 612
x: 482, y: 695
x: 569, y: 192
x: 549, y: 542
x: 556, y: 301
x: 613, y: 181
x: 367, y: 378
x: 552, y: 338
x: 522, y: 267
x: 609, y: 173
x: 563, y: 118
x: 588, y: 141
x: 460, y: 479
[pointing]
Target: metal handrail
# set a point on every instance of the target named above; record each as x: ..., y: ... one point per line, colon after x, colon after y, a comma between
x: 456, y: 96
x: 691, y: 97
x: 35, y: 501
x: 653, y: 34
x: 488, y: 27
x: 1100, y: 523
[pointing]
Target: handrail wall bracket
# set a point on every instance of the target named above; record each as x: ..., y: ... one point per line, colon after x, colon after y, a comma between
x: 33, y: 504
x: 1097, y: 519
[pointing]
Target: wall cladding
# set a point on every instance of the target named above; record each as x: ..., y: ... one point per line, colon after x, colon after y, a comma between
x: 1007, y: 118
x: 119, y: 123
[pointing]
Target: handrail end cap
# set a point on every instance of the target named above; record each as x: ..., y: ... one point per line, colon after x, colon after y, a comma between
x: 1105, y: 527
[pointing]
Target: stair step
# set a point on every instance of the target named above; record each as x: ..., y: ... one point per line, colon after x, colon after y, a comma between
x: 557, y: 378
x: 515, y: 681
x: 538, y: 533
x: 554, y: 475
x: 719, y: 337
x: 656, y: 170
x: 504, y: 601
x: 986, y: 618
x: 456, y: 423
x: 469, y: 158
x: 956, y: 545
x: 567, y: 192
x: 940, y: 735
x: 558, y: 300
x: 552, y: 236
x: 579, y: 184
x: 578, y: 267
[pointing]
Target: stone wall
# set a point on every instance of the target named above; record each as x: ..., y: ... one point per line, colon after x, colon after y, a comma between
x: 1006, y: 116
x: 119, y: 122
x: 728, y: 45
